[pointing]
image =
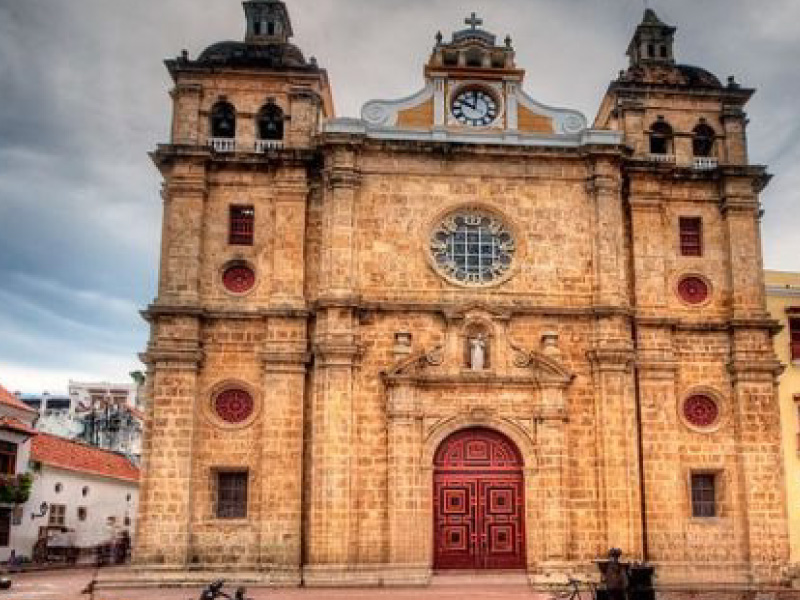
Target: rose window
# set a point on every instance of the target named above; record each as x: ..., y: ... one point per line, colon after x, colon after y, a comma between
x: 239, y: 279
x: 234, y: 406
x: 700, y: 411
x: 472, y: 247
x: 693, y: 290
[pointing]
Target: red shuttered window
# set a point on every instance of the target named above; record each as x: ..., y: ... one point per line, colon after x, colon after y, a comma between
x: 691, y: 236
x: 242, y: 225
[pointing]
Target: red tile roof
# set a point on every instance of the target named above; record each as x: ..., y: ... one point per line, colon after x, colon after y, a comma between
x: 13, y: 424
x: 10, y: 399
x: 76, y: 456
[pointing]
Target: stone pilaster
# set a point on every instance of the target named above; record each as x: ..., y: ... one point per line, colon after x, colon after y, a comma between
x: 761, y: 479
x: 405, y: 510
x: 552, y: 477
x: 617, y: 448
x: 173, y: 360
x: 332, y: 455
x: 185, y: 195
x: 186, y: 100
x: 740, y: 209
x: 285, y: 363
x: 288, y: 249
x: 610, y: 242
x: 338, y: 273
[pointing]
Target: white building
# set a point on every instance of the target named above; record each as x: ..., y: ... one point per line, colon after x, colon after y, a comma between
x: 16, y: 430
x: 91, y: 492
x: 107, y: 415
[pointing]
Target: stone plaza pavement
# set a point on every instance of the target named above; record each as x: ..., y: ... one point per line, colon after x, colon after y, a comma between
x: 68, y: 584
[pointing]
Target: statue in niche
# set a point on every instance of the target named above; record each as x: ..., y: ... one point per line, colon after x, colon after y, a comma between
x: 477, y: 352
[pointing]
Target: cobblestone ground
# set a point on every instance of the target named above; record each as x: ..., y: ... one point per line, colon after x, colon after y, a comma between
x: 67, y: 585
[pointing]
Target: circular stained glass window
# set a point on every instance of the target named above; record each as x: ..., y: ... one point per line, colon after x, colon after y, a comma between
x: 234, y: 406
x: 700, y: 411
x: 473, y: 247
x: 693, y: 290
x: 239, y: 279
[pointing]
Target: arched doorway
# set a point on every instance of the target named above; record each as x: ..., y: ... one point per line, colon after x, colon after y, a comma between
x: 478, y: 502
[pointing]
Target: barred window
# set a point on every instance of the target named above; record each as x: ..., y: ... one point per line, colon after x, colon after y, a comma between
x: 232, y: 494
x: 242, y: 225
x: 704, y: 495
x: 691, y: 236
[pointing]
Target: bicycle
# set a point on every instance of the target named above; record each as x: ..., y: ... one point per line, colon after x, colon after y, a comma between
x: 572, y: 591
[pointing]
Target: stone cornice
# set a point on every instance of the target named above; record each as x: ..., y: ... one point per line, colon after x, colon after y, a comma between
x: 168, y: 154
x: 158, y: 310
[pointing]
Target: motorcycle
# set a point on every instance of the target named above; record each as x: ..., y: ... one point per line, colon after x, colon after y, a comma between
x: 214, y: 592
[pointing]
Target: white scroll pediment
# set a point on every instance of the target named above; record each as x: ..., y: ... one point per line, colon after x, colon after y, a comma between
x: 384, y: 113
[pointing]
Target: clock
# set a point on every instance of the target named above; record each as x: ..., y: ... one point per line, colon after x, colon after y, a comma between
x: 474, y: 107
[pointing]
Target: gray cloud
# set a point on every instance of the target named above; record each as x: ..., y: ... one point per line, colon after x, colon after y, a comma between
x: 84, y: 97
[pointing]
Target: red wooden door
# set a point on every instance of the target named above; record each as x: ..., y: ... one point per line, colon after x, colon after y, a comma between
x: 479, y: 503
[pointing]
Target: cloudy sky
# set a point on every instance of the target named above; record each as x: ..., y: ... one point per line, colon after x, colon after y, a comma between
x: 83, y: 98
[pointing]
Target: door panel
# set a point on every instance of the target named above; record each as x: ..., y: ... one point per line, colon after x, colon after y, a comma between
x: 478, y: 503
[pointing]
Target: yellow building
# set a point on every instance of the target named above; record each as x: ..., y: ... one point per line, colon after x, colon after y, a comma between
x: 783, y: 302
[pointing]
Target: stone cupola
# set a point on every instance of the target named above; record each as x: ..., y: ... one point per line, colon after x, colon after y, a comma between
x: 653, y: 42
x: 268, y: 22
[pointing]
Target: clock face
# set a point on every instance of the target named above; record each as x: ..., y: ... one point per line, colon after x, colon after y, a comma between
x: 474, y: 107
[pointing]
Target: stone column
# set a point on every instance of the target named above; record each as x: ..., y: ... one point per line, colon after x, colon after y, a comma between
x: 167, y: 487
x: 281, y: 470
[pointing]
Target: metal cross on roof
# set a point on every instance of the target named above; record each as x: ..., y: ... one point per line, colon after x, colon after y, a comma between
x: 474, y: 21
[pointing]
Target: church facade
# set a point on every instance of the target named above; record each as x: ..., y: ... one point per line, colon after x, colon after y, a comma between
x: 465, y: 331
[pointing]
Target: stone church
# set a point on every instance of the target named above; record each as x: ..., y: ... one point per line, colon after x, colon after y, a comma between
x: 465, y: 331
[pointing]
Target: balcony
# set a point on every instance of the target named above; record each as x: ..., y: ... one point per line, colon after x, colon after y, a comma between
x: 705, y: 163
x: 662, y: 158
x: 264, y: 145
x: 222, y: 144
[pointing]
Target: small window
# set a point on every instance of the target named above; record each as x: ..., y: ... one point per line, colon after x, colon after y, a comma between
x: 85, y: 491
x: 794, y: 332
x: 651, y: 50
x: 5, y: 527
x: 691, y: 236
x: 126, y: 521
x: 223, y: 121
x: 271, y: 28
x: 232, y: 495
x: 703, y: 141
x: 82, y: 513
x: 58, y: 515
x: 704, y: 495
x: 58, y: 487
x: 242, y: 224
x: 664, y: 53
x: 661, y: 138
x: 270, y: 122
x: 8, y: 458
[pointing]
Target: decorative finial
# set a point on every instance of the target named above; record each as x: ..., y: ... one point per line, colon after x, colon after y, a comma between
x: 508, y: 41
x: 439, y: 38
x: 474, y: 22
